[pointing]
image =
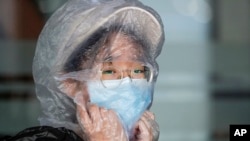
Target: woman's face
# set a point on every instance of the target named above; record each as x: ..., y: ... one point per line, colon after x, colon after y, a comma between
x: 124, y: 55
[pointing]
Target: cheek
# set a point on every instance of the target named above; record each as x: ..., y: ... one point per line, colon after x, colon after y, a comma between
x: 69, y: 87
x: 85, y: 93
x: 82, y: 97
x: 75, y: 89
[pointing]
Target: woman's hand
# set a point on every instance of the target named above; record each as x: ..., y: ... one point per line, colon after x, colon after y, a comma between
x: 100, y: 124
x: 146, y: 128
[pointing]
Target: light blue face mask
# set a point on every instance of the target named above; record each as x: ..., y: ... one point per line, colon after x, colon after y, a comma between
x: 129, y: 100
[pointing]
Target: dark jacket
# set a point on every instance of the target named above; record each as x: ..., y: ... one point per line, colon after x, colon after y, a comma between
x: 44, y: 133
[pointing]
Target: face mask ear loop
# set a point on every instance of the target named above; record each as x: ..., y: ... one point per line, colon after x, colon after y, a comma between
x: 151, y: 76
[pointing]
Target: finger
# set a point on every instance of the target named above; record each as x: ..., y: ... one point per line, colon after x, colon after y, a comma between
x: 143, y: 131
x: 151, y: 119
x: 83, y: 116
x: 150, y: 114
x: 94, y: 113
x: 103, y: 112
x: 85, y: 93
x: 79, y: 100
x: 146, y: 121
x: 114, y: 118
x: 136, y: 128
x: 152, y: 126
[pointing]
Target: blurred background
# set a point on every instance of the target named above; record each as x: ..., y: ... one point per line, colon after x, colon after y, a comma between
x: 204, y: 80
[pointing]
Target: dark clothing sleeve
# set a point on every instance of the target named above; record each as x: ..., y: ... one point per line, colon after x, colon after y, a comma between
x: 44, y: 133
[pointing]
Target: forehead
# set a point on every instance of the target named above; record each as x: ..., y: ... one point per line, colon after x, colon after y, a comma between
x: 120, y: 47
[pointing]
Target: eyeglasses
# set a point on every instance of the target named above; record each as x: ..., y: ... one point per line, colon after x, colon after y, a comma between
x: 135, y: 72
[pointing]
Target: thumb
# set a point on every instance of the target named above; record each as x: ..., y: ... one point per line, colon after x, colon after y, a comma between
x: 81, y: 100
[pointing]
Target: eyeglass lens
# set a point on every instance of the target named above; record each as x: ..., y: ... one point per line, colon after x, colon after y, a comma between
x: 114, y: 73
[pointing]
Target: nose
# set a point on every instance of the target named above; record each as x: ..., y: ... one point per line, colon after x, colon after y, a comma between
x: 126, y: 73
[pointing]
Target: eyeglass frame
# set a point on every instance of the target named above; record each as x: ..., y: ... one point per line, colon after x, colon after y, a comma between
x: 149, y: 79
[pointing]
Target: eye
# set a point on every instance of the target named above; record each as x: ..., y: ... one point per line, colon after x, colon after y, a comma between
x: 138, y: 71
x: 109, y: 71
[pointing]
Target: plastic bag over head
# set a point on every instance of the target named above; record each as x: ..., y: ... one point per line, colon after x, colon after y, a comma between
x: 81, y: 39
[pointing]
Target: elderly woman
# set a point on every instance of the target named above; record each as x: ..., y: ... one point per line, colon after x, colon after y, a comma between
x: 95, y: 70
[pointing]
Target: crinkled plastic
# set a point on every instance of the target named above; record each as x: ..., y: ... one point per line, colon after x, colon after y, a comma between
x: 77, y: 39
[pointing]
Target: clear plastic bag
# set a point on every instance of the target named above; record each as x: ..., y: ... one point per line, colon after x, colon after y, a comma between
x: 75, y: 43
